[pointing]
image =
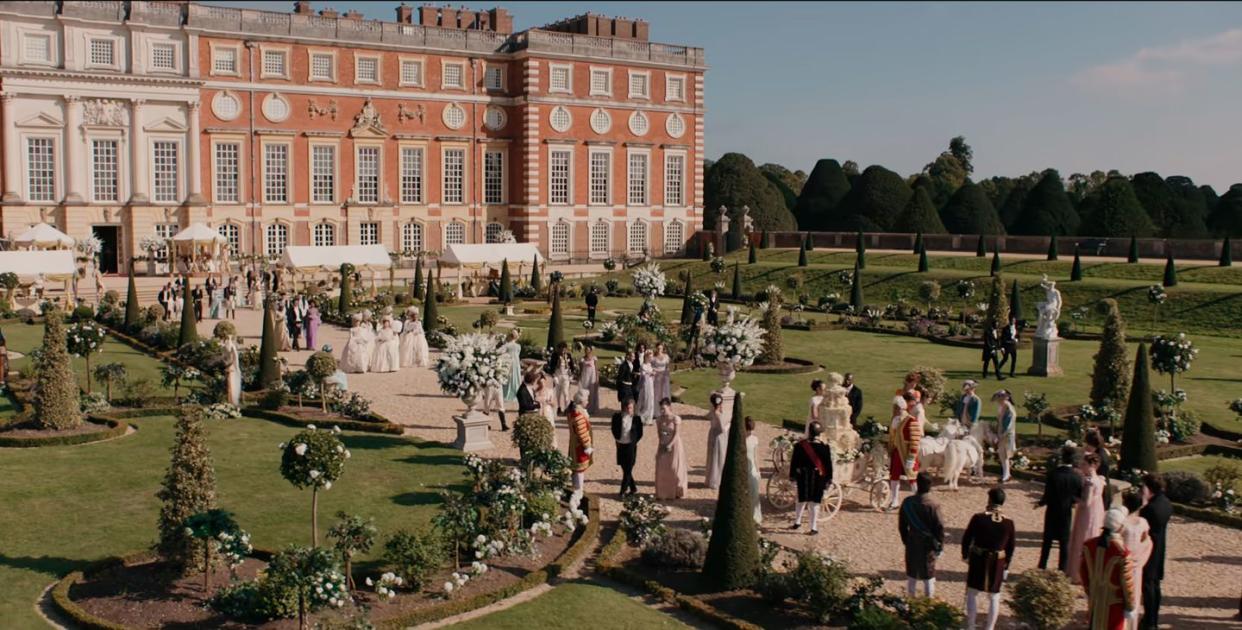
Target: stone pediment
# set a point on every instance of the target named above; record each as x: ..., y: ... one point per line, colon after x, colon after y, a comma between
x: 367, y: 123
x: 368, y: 131
x: 165, y: 124
x: 42, y: 120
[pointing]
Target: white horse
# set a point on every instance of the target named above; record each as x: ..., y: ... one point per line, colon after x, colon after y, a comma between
x: 985, y: 437
x: 932, y: 449
x: 960, y: 453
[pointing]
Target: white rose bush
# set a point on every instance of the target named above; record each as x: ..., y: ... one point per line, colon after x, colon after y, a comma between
x: 315, y: 459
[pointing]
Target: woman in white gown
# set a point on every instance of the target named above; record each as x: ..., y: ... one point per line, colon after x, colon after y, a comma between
x: 752, y: 457
x: 282, y: 328
x: 813, y: 408
x: 562, y: 377
x: 387, y: 357
x: 368, y: 330
x: 646, y: 407
x: 233, y: 372
x: 661, y: 376
x: 588, y: 381
x: 546, y: 395
x: 413, y: 342
x: 356, y: 358
x: 717, y: 440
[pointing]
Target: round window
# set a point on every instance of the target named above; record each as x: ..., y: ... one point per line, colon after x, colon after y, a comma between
x: 560, y: 119
x: 601, y: 122
x: 639, y: 124
x: 454, y: 116
x: 225, y: 106
x: 275, y: 108
x: 675, y: 125
x: 494, y: 118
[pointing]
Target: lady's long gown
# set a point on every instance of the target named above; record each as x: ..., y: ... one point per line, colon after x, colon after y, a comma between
x: 717, y: 444
x: 233, y: 373
x: 414, y: 345
x: 356, y: 358
x: 547, y: 404
x: 588, y: 381
x: 661, y: 378
x: 646, y: 407
x: 752, y: 446
x: 387, y: 357
x: 671, y: 479
x: 1088, y: 520
x: 312, y: 329
x: 282, y: 330
x: 514, y: 352
x: 562, y: 384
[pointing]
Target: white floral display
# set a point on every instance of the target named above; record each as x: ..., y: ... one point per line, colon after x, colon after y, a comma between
x: 738, y: 341
x: 470, y: 363
x: 90, y: 246
x: 387, y: 584
x: 150, y: 243
x: 649, y: 281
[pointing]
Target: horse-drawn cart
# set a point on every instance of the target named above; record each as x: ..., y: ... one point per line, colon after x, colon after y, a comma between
x: 870, y: 477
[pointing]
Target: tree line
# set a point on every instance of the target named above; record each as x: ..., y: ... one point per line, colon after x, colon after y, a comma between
x: 943, y: 198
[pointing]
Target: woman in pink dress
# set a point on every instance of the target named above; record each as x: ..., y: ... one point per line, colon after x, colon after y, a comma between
x: 671, y: 479
x: 1089, y: 515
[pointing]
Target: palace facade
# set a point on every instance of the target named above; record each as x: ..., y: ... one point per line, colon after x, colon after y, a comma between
x: 131, y: 120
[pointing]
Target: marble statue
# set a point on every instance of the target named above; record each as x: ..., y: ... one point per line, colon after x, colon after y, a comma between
x: 1049, y: 310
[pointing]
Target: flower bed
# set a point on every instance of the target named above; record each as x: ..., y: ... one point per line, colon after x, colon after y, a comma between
x: 791, y: 365
x: 293, y: 416
x: 95, y: 429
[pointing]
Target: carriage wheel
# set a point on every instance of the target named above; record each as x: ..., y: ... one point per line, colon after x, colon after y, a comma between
x: 879, y: 495
x: 833, y: 495
x: 782, y: 493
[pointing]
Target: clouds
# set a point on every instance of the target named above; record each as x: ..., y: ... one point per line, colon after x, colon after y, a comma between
x: 1164, y: 68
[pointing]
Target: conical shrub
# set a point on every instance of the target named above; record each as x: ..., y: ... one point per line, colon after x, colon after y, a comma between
x: 996, y: 261
x: 918, y: 243
x: 416, y: 288
x: 923, y: 264
x: 1133, y: 257
x: 556, y: 327
x: 736, y: 292
x: 810, y: 242
x: 1170, y: 271
x: 980, y: 249
x: 1076, y: 270
x: 131, y: 302
x: 732, y: 560
x: 998, y: 306
x: 766, y: 241
x: 1138, y: 441
x: 1052, y: 248
x: 347, y: 289
x: 56, y: 404
x: 1015, y: 301
x: 802, y: 261
x: 269, y: 364
x: 189, y: 488
x: 189, y: 325
x: 1226, y: 254
x: 536, y: 280
x: 506, y: 283
x: 687, y: 311
x: 431, y: 318
x: 860, y: 248
x: 751, y: 256
x: 1110, y: 375
x: 856, y: 291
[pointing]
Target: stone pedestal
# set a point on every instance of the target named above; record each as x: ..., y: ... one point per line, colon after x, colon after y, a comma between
x: 509, y: 310
x: 472, y: 432
x: 1045, y: 357
x: 727, y: 395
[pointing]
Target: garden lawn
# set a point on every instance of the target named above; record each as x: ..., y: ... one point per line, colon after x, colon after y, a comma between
x: 1200, y: 463
x: 66, y: 506
x: 25, y: 337
x: 572, y: 606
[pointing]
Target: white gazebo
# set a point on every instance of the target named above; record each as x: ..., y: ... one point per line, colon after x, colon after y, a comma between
x: 476, y: 258
x: 44, y: 236
x: 36, y: 267
x: 311, y: 260
x: 199, y: 248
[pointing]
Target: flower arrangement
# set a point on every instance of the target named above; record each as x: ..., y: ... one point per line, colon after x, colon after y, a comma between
x: 609, y: 331
x: 150, y: 243
x: 718, y: 264
x: 698, y: 301
x: 1162, y: 436
x: 737, y: 342
x: 1225, y: 498
x: 587, y: 324
x: 642, y: 518
x: 846, y: 457
x: 469, y: 363
x: 649, y: 281
x: 90, y: 246
x: 556, y: 276
x: 1172, y: 355
x: 1156, y: 294
x: 1020, y: 461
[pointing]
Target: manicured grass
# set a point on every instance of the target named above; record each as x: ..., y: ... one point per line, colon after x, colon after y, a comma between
x: 573, y: 606
x: 65, y: 506
x: 23, y: 338
x: 1200, y: 464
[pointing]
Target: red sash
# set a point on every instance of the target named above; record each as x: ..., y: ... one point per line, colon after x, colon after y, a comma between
x: 810, y: 452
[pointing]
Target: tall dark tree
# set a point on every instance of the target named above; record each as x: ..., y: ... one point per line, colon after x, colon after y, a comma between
x: 687, y: 311
x: 981, y: 249
x: 751, y: 256
x: 416, y: 288
x: 189, y: 325
x: 1052, y: 247
x: 969, y: 211
x: 1076, y: 270
x: 1174, y: 214
x: 556, y: 326
x: 536, y: 279
x: 1138, y: 440
x: 996, y: 261
x: 919, y: 215
x: 506, y: 283
x: 431, y: 318
x: 963, y: 153
x: 810, y: 242
x: 1015, y: 300
x: 131, y: 301
x: 856, y: 290
x: 802, y: 261
x: 923, y: 264
x: 734, y: 181
x: 788, y: 193
x: 765, y: 240
x: 732, y: 559
x: 860, y: 250
x: 918, y: 243
x: 1226, y: 217
x: 1010, y: 209
x: 269, y: 363
x: 1170, y: 271
x: 874, y: 202
x: 1133, y: 257
x: 1226, y: 253
x: 736, y: 289
x: 1112, y: 210
x: 1047, y: 209
x: 819, y: 199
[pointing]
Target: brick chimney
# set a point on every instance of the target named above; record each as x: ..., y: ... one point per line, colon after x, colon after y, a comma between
x: 328, y: 13
x: 303, y: 7
x: 353, y: 14
x: 405, y: 14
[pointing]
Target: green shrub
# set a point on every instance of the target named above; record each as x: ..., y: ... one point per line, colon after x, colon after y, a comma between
x: 927, y: 613
x: 541, y: 506
x: 1043, y: 599
x: 532, y: 433
x: 1183, y: 425
x: 676, y: 548
x: 189, y: 488
x: 224, y: 330
x: 82, y: 313
x: 821, y: 583
x: 414, y: 556
x: 255, y: 602
x: 56, y: 388
x: 274, y: 399
x: 642, y: 519
x: 1226, y: 475
x: 138, y: 392
x: 1186, y: 487
x: 877, y: 618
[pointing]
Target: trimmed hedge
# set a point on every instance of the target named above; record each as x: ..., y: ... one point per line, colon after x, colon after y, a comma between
x: 587, y: 536
x: 113, y: 428
x: 380, y: 425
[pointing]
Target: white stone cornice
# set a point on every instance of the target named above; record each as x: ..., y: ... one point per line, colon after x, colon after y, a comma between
x: 95, y: 77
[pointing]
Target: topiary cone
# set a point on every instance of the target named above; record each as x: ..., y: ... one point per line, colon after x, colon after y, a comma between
x: 1052, y: 247
x: 1138, y: 441
x: 810, y: 242
x: 733, y: 552
x: 923, y: 265
x: 1076, y: 270
x: 764, y: 241
x: 736, y: 292
x: 861, y: 249
x: 751, y: 256
x: 687, y: 312
x: 918, y: 243
x: 1134, y: 253
x: 416, y: 289
x: 556, y: 328
x: 536, y: 280
x: 56, y: 396
x: 1226, y: 254
x: 347, y: 290
x: 980, y: 248
x: 1015, y: 301
x: 189, y: 326
x: 430, y: 316
x: 506, y: 283
x: 131, y: 301
x: 856, y: 291
x: 269, y: 365
x: 996, y: 261
x: 802, y: 261
x: 1170, y: 271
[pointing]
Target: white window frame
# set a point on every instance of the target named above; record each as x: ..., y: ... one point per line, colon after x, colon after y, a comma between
x: 455, y: 225
x: 379, y: 71
x: 669, y: 80
x: 215, y: 170
x: 178, y: 175
x: 263, y: 71
x: 328, y: 230
x: 492, y: 232
x: 217, y: 48
x: 629, y: 236
x: 500, y: 70
x: 669, y: 158
x: 494, y: 184
x: 413, y: 236
x: 50, y: 46
x: 176, y: 57
x: 569, y: 78
x: 629, y: 178
x: 592, y: 231
x: 413, y: 180
x: 379, y: 173
x: 422, y: 68
x: 460, y: 198
x: 288, y: 193
x: 117, y: 158
x: 54, y: 164
x: 164, y: 231
x: 268, y: 241
x: 232, y: 237
x: 444, y: 84
x: 315, y: 197
x: 90, y: 64
x: 370, y: 233
x: 554, y: 250
x: 673, y: 245
x: 607, y: 91
x: 591, y: 177
x: 330, y: 55
x: 646, y: 77
x: 553, y: 150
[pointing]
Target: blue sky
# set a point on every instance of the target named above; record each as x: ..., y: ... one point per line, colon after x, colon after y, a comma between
x: 1131, y: 86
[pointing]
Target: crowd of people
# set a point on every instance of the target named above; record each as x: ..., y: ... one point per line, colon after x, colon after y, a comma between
x: 380, y: 345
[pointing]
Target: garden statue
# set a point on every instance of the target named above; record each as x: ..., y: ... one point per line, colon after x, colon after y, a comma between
x: 1049, y: 310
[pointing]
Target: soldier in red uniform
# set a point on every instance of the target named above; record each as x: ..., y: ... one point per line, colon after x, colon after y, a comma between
x: 1105, y: 572
x: 904, y: 435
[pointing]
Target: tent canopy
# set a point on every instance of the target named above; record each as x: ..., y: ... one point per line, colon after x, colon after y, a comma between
x: 28, y: 264
x: 198, y: 233
x: 308, y: 258
x: 44, y: 236
x: 491, y: 254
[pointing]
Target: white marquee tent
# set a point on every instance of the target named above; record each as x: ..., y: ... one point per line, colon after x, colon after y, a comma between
x: 200, y: 248
x: 55, y: 264
x: 482, y: 257
x: 44, y: 236
x: 309, y: 258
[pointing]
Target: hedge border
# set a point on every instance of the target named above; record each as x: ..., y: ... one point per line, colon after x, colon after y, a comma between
x: 379, y: 426
x: 604, y: 564
x: 587, y: 537
x: 803, y: 366
x: 113, y: 428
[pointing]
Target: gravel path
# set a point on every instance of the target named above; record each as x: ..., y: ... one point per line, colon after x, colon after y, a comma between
x: 1204, y: 570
